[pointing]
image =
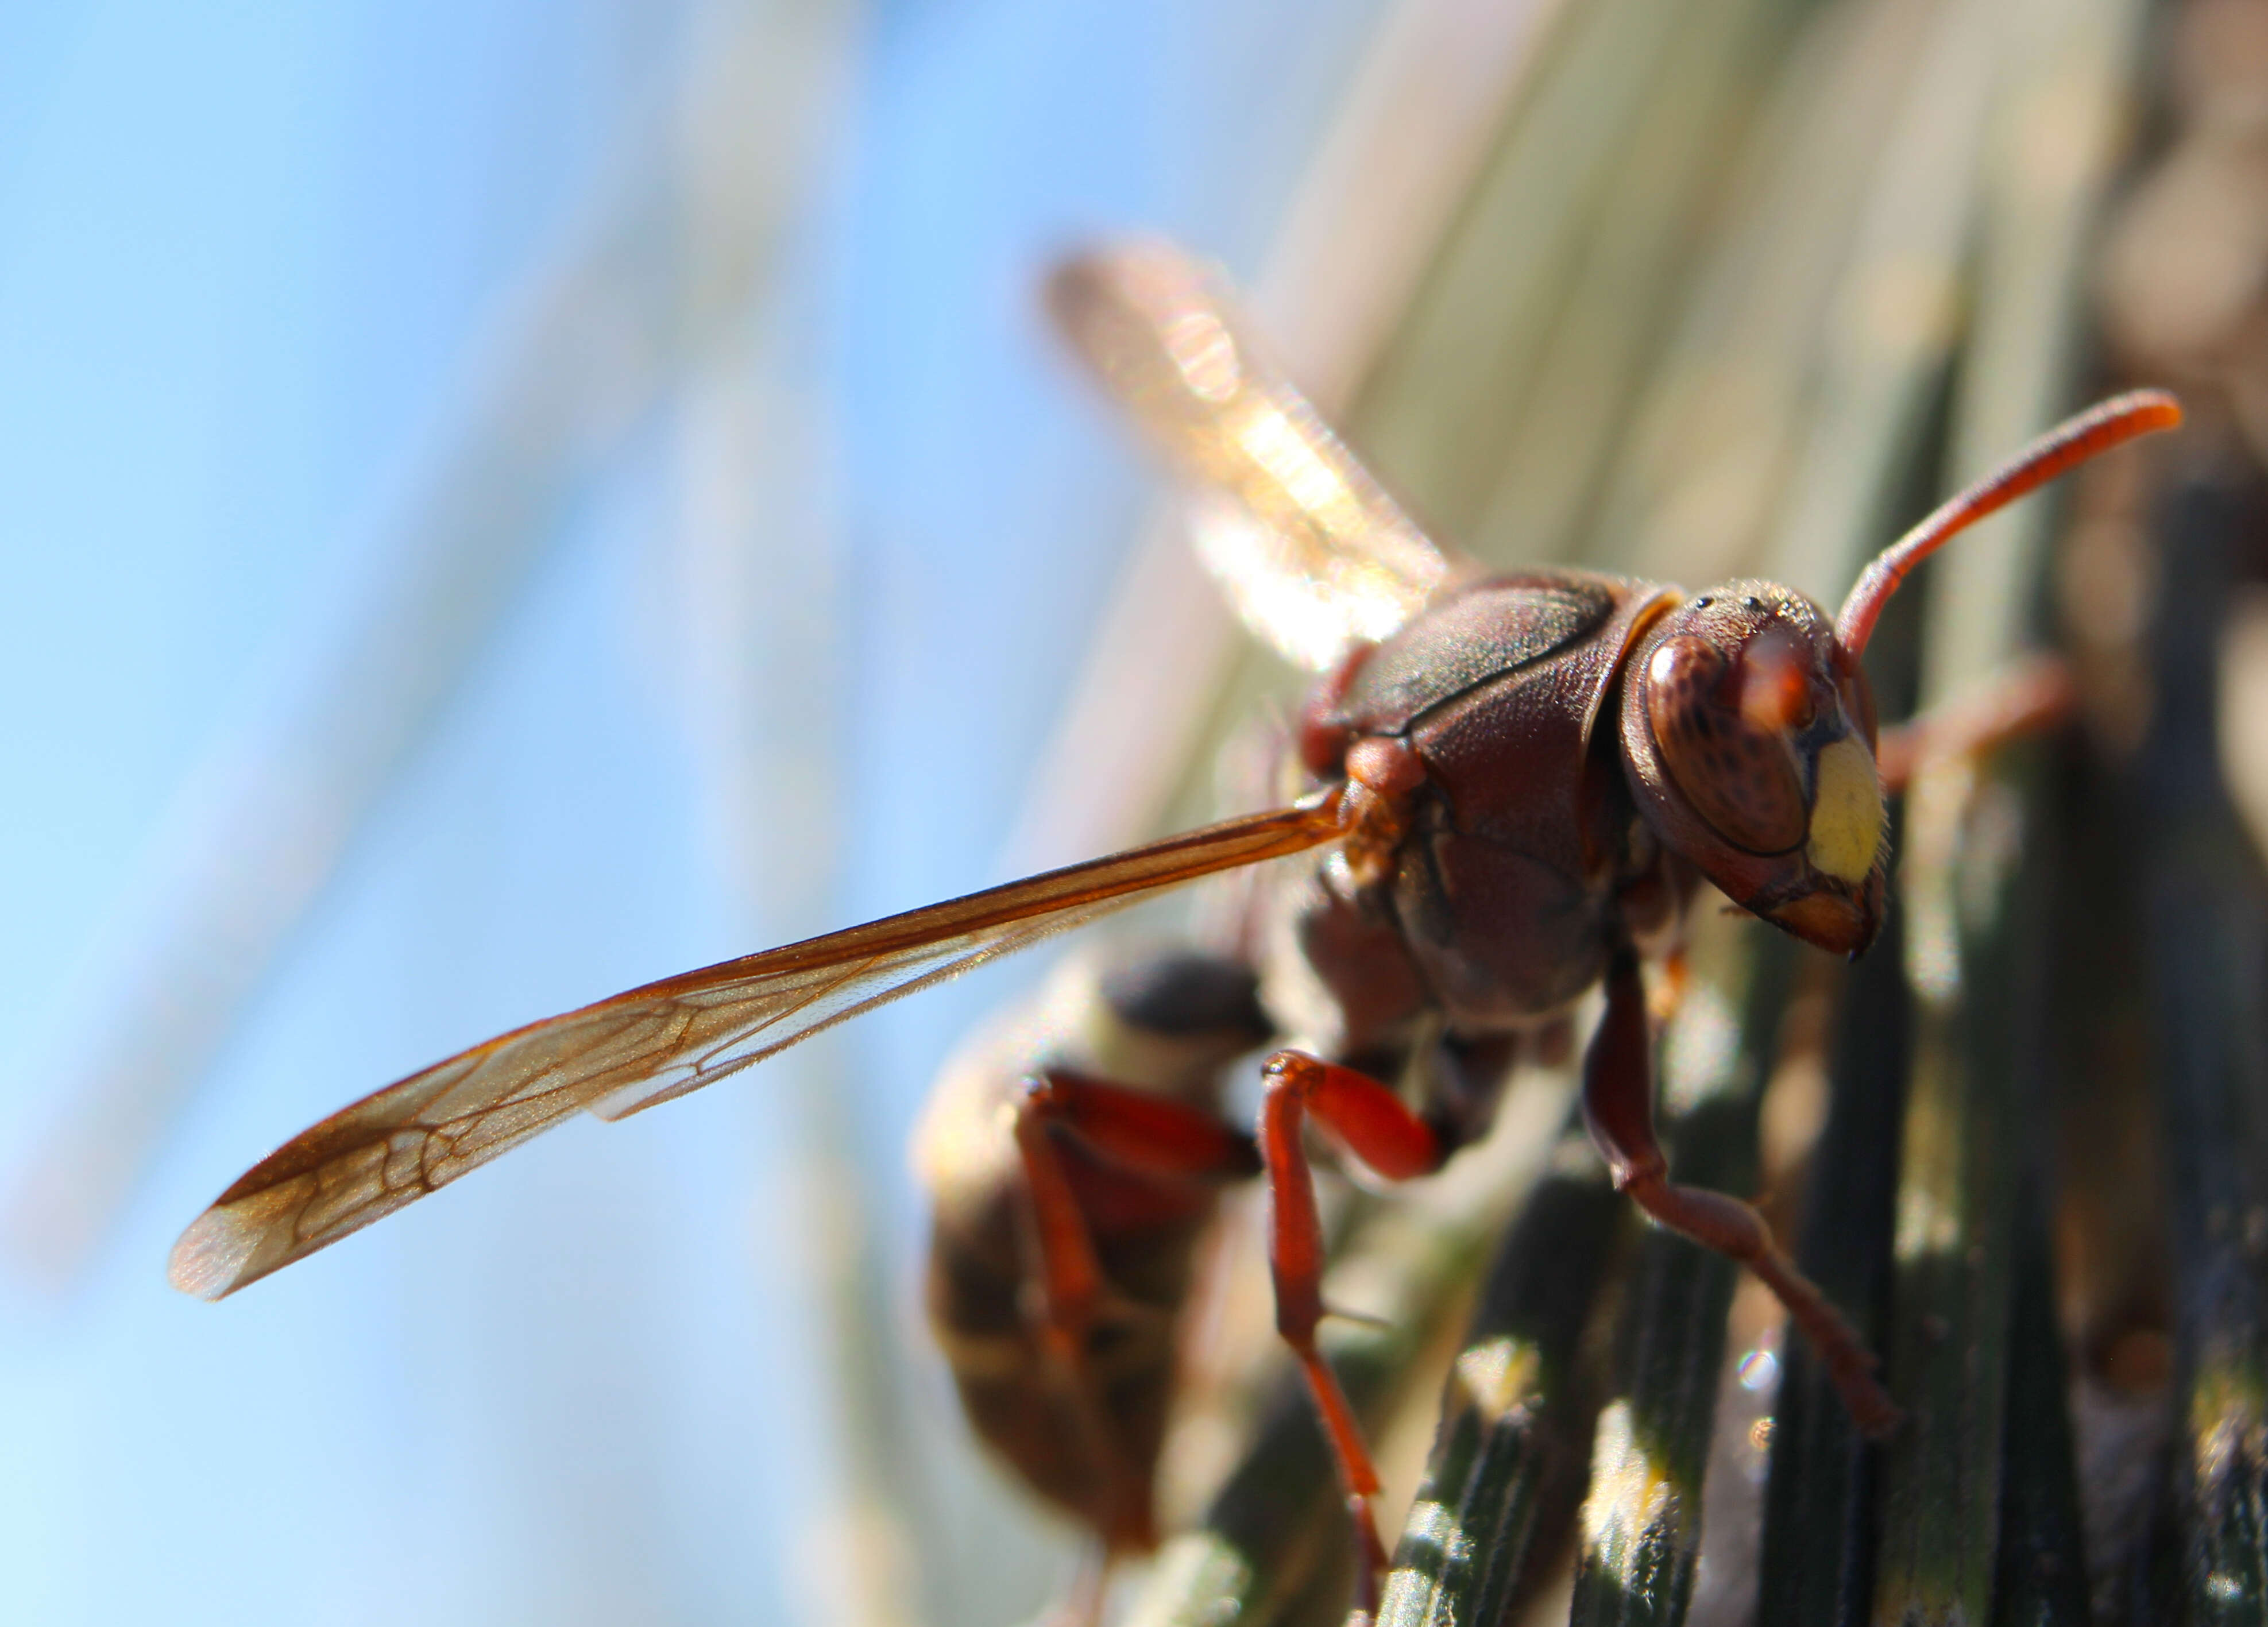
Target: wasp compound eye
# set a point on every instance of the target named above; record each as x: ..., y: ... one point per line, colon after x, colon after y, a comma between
x: 1741, y: 777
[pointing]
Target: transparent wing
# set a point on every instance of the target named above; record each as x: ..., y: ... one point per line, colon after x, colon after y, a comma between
x: 1310, y: 549
x: 662, y: 1041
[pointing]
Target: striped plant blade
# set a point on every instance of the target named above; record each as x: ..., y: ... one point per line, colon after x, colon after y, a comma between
x: 1817, y: 1558
x: 1514, y: 1419
x: 2204, y: 915
x: 1974, y: 872
x: 2040, y: 1580
x: 1977, y: 1033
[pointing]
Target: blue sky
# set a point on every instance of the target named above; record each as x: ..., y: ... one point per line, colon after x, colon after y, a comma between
x: 254, y: 264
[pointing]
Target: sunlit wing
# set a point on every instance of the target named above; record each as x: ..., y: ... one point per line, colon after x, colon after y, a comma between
x: 1309, y: 548
x: 662, y: 1041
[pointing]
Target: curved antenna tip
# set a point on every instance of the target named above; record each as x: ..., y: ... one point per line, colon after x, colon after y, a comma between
x: 2074, y: 441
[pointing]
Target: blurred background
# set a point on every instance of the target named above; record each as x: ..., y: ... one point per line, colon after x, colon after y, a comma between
x: 505, y: 502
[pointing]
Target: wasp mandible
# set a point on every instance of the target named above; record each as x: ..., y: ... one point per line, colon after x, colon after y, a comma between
x: 1519, y: 781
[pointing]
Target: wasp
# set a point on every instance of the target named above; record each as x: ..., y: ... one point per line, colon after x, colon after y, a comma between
x: 1518, y: 784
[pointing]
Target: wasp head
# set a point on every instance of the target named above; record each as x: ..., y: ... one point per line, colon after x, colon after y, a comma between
x: 1748, y: 741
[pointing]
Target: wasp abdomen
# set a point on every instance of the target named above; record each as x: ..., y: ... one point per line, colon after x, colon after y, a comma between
x: 1077, y: 1403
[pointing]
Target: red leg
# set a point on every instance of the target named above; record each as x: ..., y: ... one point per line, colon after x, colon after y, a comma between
x: 1381, y: 1130
x: 1618, y: 1105
x: 1146, y: 1134
x: 2019, y: 700
x: 1142, y: 1131
x: 1138, y: 1131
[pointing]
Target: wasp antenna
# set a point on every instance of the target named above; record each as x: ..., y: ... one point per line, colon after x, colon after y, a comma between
x: 2070, y: 444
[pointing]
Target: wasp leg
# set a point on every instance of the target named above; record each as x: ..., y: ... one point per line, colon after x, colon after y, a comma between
x: 2016, y: 701
x: 1619, y: 1106
x: 1379, y: 1129
x: 1145, y: 1134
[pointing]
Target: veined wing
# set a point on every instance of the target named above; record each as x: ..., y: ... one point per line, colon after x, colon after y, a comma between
x: 664, y: 1039
x: 1311, y: 550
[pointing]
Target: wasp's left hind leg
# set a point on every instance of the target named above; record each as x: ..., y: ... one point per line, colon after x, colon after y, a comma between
x: 1618, y: 1107
x: 1379, y: 1128
x: 1167, y: 1146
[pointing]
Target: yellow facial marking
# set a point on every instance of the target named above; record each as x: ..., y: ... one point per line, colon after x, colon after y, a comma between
x: 1846, y: 817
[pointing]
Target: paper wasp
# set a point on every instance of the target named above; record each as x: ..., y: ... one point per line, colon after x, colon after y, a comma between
x: 1518, y: 782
